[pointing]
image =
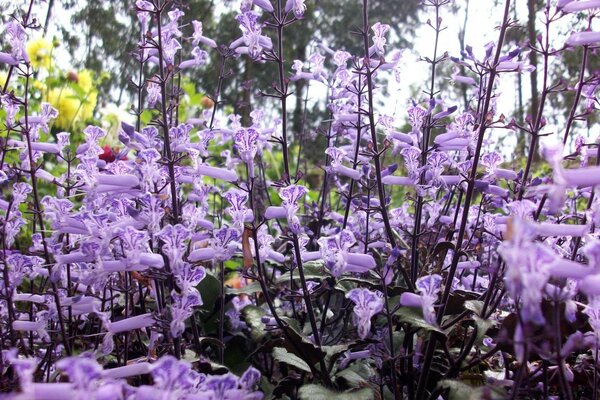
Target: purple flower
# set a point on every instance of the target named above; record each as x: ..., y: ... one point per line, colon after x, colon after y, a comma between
x: 154, y: 93
x: 379, y: 32
x: 252, y: 41
x: 223, y: 244
x: 290, y: 195
x: 336, y: 166
x: 174, y: 240
x: 83, y: 371
x: 198, y: 38
x: 171, y: 375
x: 297, y: 6
x: 335, y: 251
x: 366, y: 305
x: 245, y: 141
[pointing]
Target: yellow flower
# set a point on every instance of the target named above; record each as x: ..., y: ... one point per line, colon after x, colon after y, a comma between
x: 88, y: 106
x: 39, y: 85
x: 39, y: 52
x: 3, y: 76
x: 63, y: 99
x: 85, y: 79
x: 71, y: 110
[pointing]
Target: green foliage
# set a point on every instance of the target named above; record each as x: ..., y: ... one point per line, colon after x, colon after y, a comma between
x: 318, y: 392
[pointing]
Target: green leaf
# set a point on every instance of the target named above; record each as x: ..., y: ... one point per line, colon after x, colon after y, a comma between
x: 210, y: 289
x: 313, y: 270
x: 252, y: 288
x: 483, y: 325
x: 474, y: 305
x: 352, y: 378
x: 459, y: 390
x: 462, y: 391
x: 414, y: 317
x: 253, y: 315
x: 282, y: 355
x: 318, y: 392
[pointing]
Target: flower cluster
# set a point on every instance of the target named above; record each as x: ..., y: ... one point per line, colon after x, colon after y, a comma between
x: 201, y: 255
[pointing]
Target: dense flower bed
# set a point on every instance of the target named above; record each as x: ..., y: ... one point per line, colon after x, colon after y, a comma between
x: 418, y: 264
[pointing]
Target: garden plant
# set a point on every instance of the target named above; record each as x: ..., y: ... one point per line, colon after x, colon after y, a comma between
x: 196, y: 254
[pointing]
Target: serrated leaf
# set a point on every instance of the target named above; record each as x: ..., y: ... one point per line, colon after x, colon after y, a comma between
x: 282, y: 355
x: 318, y: 392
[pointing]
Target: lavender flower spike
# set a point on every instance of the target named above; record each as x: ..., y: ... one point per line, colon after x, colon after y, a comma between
x: 583, y: 38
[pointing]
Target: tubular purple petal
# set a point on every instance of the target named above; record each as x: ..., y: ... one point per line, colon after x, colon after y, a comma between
x: 576, y: 6
x: 347, y: 171
x: 505, y: 174
x: 398, y: 180
x: 445, y: 137
x: 563, y: 268
x: 125, y: 180
x: 408, y: 299
x: 311, y: 255
x: 363, y: 260
x: 152, y: 260
x: 202, y: 254
x: 468, y: 265
x: 217, y: 173
x: 451, y: 179
x: 53, y: 391
x: 590, y: 285
x: 33, y: 298
x: 403, y: 137
x: 28, y: 325
x: 45, y: 175
x: 496, y: 191
x: 264, y: 4
x: 129, y: 324
x: 549, y: 229
x: 582, y: 177
x: 275, y: 212
x: 128, y: 370
x: 6, y: 58
x: 276, y: 256
x: 583, y: 38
